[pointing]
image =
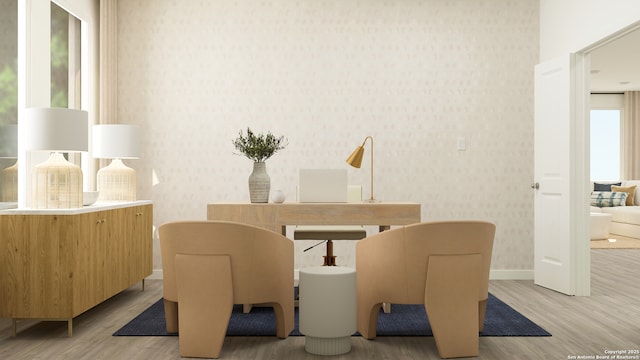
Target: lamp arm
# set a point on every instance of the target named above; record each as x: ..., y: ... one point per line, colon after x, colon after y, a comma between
x: 365, y: 140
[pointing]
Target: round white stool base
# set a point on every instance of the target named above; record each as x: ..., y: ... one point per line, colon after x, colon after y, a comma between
x: 327, y: 346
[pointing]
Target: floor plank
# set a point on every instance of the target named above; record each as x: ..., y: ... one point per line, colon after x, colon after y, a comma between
x: 587, y: 326
x: 614, y: 241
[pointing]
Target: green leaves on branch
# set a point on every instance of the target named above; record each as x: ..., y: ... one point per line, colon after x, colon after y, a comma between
x: 259, y: 147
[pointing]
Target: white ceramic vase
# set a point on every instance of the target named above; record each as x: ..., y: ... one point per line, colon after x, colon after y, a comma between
x: 278, y: 196
x: 259, y: 183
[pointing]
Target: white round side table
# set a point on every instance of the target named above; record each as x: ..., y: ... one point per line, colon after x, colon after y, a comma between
x: 327, y: 308
x: 600, y: 223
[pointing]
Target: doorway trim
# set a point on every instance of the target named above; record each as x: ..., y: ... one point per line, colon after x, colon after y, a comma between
x: 582, y: 156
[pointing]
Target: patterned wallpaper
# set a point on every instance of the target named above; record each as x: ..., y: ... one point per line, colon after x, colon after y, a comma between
x: 416, y: 75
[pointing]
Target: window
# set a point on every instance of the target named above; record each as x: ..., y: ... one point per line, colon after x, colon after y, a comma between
x: 65, y: 64
x: 65, y: 59
x: 8, y: 103
x: 606, y: 117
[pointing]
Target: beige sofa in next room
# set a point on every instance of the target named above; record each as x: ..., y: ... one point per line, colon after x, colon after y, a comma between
x: 625, y: 216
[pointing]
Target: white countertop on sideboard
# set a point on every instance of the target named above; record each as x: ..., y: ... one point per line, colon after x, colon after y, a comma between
x: 99, y: 206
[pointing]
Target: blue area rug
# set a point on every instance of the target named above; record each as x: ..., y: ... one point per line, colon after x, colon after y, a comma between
x: 404, y: 320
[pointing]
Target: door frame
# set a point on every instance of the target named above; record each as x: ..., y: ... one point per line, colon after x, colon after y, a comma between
x: 581, y: 187
x: 580, y: 168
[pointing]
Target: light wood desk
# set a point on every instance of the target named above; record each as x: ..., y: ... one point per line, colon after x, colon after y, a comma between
x: 276, y: 217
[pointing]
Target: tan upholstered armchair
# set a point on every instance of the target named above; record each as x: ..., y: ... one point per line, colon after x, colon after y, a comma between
x: 210, y: 265
x: 443, y: 265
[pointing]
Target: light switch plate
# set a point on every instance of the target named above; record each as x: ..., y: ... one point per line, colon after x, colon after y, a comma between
x: 462, y: 144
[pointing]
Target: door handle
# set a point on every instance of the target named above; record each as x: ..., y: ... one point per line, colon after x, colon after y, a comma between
x: 535, y: 186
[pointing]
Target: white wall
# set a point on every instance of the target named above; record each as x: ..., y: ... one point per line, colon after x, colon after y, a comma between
x: 572, y: 25
x: 416, y: 75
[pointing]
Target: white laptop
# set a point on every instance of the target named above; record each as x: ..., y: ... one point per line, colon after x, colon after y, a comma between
x: 322, y: 185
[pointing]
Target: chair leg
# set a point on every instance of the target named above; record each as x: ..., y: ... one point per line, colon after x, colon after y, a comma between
x: 205, y: 303
x: 171, y: 315
x: 482, y: 310
x: 451, y: 302
x: 368, y: 320
x: 284, y: 314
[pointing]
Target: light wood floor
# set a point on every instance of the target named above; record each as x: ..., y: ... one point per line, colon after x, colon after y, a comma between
x: 614, y: 241
x: 607, y: 320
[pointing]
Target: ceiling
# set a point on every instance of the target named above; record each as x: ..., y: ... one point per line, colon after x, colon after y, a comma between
x: 615, y: 67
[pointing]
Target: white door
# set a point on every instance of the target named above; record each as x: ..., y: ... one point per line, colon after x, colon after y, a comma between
x: 556, y: 200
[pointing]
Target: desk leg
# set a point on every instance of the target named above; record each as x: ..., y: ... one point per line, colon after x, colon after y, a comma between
x: 284, y: 230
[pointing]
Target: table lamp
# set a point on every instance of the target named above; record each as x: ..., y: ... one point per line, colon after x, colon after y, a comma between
x: 116, y: 182
x: 56, y: 183
x: 9, y: 150
x: 355, y: 160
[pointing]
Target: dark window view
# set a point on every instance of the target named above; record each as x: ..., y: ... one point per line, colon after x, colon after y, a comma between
x: 59, y: 57
x: 8, y: 101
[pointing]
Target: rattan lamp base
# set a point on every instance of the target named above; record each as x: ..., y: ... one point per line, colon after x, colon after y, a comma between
x: 116, y: 182
x: 56, y: 184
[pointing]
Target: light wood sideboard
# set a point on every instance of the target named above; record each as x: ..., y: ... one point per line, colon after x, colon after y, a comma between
x: 57, y: 264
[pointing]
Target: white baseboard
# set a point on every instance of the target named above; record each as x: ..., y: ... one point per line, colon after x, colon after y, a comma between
x: 155, y: 275
x: 511, y: 274
x: 493, y: 275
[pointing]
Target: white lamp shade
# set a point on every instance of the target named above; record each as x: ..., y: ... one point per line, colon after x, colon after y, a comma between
x: 56, y: 129
x: 9, y: 141
x: 116, y: 141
